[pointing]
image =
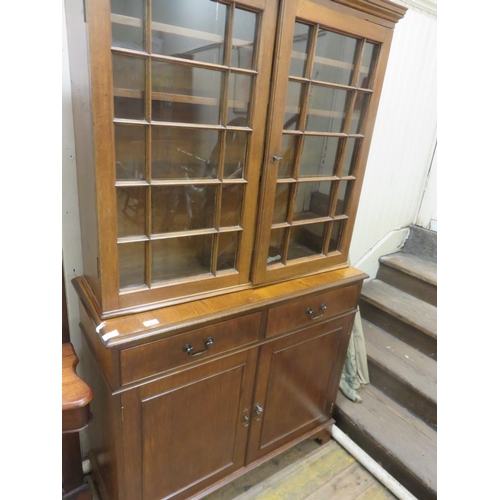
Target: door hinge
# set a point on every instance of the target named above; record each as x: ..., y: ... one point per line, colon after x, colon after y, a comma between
x: 123, y: 416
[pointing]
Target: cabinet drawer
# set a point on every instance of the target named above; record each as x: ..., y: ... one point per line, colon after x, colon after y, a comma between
x: 313, y: 308
x: 156, y: 357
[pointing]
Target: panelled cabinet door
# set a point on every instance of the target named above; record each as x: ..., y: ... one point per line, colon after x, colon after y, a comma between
x: 185, y: 432
x: 180, y: 93
x: 296, y: 384
x: 325, y: 93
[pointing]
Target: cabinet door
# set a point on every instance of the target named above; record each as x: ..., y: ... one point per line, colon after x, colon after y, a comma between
x: 188, y: 430
x: 332, y: 65
x: 297, y: 384
x: 181, y: 98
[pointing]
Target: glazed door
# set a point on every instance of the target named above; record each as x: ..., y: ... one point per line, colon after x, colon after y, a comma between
x: 325, y: 93
x: 185, y: 432
x: 297, y: 384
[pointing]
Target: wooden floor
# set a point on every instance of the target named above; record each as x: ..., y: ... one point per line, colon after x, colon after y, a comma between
x: 306, y: 472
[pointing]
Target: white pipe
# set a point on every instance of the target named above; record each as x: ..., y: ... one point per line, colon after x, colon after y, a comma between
x: 366, y: 461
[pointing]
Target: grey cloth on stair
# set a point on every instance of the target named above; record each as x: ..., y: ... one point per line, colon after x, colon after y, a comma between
x: 355, y: 370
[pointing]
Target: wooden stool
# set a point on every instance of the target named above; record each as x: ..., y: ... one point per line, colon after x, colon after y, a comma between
x: 76, y: 396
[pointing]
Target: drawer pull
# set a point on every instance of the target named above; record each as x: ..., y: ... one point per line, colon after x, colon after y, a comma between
x: 310, y: 312
x: 189, y: 348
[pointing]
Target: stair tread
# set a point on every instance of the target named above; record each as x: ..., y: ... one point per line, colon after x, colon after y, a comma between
x: 401, y: 305
x: 425, y: 270
x: 400, y: 359
x: 405, y: 437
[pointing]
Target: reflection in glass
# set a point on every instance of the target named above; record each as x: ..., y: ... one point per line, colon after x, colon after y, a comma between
x: 281, y: 203
x: 343, y: 197
x: 327, y: 109
x: 235, y: 155
x: 336, y: 236
x: 130, y: 152
x: 175, y: 258
x: 312, y: 200
x: 130, y: 210
x: 132, y: 264
x: 293, y: 102
x: 350, y: 156
x: 129, y: 75
x: 367, y: 65
x: 334, y: 58
x: 185, y: 94
x: 306, y: 240
x: 179, y: 153
x: 239, y: 96
x: 127, y: 26
x: 231, y: 205
x: 358, y: 114
x: 226, y: 254
x: 182, y: 208
x: 275, y: 253
x: 244, y: 36
x: 177, y: 32
x: 288, y: 151
x: 318, y: 157
x: 301, y: 41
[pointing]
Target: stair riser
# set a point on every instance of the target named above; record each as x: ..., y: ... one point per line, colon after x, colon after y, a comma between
x: 390, y: 463
x: 405, y: 395
x: 409, y: 284
x: 407, y: 333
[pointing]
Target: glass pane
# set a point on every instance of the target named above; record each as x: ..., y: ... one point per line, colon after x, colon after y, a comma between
x: 129, y: 75
x: 358, y: 114
x: 185, y: 94
x: 130, y: 211
x: 336, y: 236
x: 343, y: 197
x: 327, y: 109
x: 275, y: 253
x: 318, y: 156
x: 127, y: 24
x: 306, y: 240
x: 178, y: 153
x: 350, y: 156
x: 235, y: 155
x: 244, y: 31
x: 312, y: 200
x: 300, y: 47
x: 130, y: 152
x: 191, y: 29
x: 226, y: 254
x: 175, y: 258
x: 367, y: 65
x: 232, y: 196
x: 182, y: 208
x: 239, y: 96
x: 334, y: 57
x: 293, y: 101
x: 288, y: 153
x: 132, y: 264
x: 281, y: 203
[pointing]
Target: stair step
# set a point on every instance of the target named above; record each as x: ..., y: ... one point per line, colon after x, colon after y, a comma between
x: 403, y: 373
x: 403, y: 444
x: 404, y: 316
x: 411, y: 274
x: 421, y: 242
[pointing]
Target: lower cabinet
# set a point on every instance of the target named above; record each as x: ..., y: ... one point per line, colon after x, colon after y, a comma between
x: 178, y: 413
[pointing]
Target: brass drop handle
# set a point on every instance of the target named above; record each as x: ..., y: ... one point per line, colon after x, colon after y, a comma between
x: 258, y: 411
x: 189, y: 348
x: 246, y: 418
x: 310, y: 312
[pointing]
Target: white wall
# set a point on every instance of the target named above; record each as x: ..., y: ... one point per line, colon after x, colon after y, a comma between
x: 404, y: 135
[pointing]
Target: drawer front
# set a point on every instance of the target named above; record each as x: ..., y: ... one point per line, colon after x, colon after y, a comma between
x: 311, y: 309
x: 156, y: 357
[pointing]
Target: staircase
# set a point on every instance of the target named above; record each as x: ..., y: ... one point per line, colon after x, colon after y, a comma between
x: 396, y: 423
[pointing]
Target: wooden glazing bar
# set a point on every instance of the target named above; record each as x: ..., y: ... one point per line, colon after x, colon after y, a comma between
x: 311, y: 50
x: 132, y: 239
x: 306, y: 222
x: 286, y: 243
x: 230, y: 229
x: 281, y: 225
x: 326, y: 238
x: 185, y: 182
x: 149, y: 204
x: 318, y: 178
x: 129, y: 93
x: 321, y: 83
x: 129, y: 121
x: 131, y: 183
x: 179, y: 234
x: 234, y: 181
x: 213, y: 257
x: 228, y: 42
x: 322, y: 134
x: 180, y: 125
x: 148, y: 37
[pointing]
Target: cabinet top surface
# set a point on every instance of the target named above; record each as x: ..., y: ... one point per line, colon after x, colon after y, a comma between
x: 149, y: 324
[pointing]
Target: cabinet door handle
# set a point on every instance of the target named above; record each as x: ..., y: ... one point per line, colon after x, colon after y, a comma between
x: 277, y: 158
x: 246, y: 418
x: 189, y: 348
x: 258, y: 411
x: 310, y: 312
